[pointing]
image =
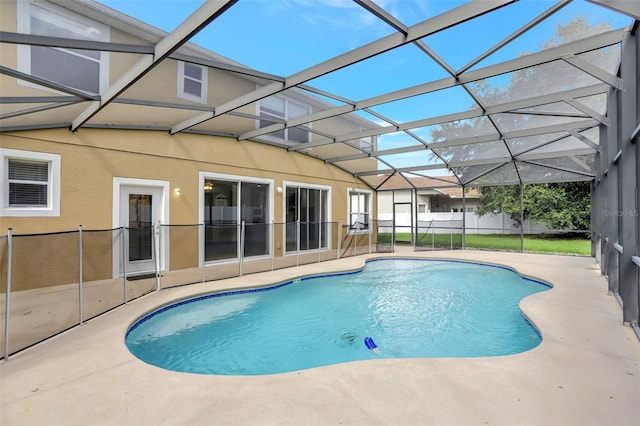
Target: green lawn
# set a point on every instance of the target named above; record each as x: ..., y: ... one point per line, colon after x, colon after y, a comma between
x: 532, y: 243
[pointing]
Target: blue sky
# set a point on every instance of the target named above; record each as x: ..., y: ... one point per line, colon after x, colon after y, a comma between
x: 286, y: 36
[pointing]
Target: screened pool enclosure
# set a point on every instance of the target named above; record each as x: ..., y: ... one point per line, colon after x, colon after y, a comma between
x: 457, y: 94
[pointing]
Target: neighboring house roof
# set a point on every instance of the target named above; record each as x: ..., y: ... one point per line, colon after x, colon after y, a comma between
x: 443, y: 185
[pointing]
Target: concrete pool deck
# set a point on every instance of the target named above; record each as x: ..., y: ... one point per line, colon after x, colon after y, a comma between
x: 585, y: 372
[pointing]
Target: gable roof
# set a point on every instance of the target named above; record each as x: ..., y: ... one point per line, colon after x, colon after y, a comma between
x: 444, y: 185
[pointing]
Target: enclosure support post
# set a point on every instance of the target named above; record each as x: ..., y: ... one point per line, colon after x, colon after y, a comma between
x: 628, y: 116
x: 273, y: 246
x: 393, y: 222
x: 319, y: 239
x: 464, y: 219
x: 156, y: 252
x: 203, y: 230
x: 241, y: 262
x: 451, y: 231
x: 7, y: 299
x: 433, y: 240
x: 355, y: 243
x: 521, y: 217
x: 124, y: 262
x: 298, y: 242
x: 370, y: 231
x: 80, y: 274
x: 414, y: 219
x: 339, y: 239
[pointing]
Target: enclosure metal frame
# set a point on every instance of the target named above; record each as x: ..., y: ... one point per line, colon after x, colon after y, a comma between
x: 615, y: 205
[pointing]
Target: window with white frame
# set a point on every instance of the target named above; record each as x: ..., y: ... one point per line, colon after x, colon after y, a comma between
x: 192, y: 82
x: 422, y: 208
x: 368, y: 143
x: 30, y: 183
x: 87, y: 70
x: 277, y: 109
x: 359, y: 209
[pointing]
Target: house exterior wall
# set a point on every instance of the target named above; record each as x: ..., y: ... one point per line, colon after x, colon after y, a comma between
x: 442, y: 218
x: 160, y: 84
x: 433, y: 203
x: 92, y: 158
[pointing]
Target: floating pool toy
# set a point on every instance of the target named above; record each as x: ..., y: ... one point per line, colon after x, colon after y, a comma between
x: 370, y: 344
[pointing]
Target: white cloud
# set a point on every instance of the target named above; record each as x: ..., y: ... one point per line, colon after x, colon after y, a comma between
x: 406, y: 11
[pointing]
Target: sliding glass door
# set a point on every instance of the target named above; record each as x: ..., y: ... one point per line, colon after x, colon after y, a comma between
x: 228, y: 203
x: 220, y: 220
x: 307, y: 218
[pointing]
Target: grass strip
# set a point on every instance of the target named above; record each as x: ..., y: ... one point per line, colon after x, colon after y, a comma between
x: 544, y: 243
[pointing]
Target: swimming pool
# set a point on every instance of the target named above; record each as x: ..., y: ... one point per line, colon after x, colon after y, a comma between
x: 408, y: 307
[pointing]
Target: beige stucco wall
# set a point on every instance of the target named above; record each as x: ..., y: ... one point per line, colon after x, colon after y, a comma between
x: 91, y: 158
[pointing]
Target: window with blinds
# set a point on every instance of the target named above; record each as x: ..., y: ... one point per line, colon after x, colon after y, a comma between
x: 28, y: 183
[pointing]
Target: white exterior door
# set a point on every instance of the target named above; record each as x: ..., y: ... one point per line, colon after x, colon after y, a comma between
x: 140, y: 209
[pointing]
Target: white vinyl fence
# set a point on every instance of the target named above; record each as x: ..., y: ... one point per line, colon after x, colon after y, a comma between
x: 441, y: 223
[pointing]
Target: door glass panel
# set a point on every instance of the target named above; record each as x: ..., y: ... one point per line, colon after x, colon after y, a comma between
x: 220, y: 220
x: 315, y: 217
x: 140, y: 227
x: 304, y: 219
x: 323, y: 218
x: 254, y: 202
x: 292, y: 217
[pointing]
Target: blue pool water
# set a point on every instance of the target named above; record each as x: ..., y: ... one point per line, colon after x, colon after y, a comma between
x: 409, y: 308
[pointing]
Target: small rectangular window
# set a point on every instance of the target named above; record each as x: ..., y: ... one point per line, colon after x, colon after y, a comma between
x: 422, y: 208
x: 192, y: 82
x: 30, y: 183
x: 359, y: 210
x: 276, y: 109
x: 367, y: 144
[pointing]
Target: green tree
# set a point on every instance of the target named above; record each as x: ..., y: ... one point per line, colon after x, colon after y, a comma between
x: 552, y: 77
x: 557, y: 205
x: 565, y: 205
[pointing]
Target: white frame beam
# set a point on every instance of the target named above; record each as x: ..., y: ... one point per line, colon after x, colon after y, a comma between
x: 627, y: 7
x: 416, y: 32
x: 557, y: 53
x: 209, y: 11
x: 495, y: 109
